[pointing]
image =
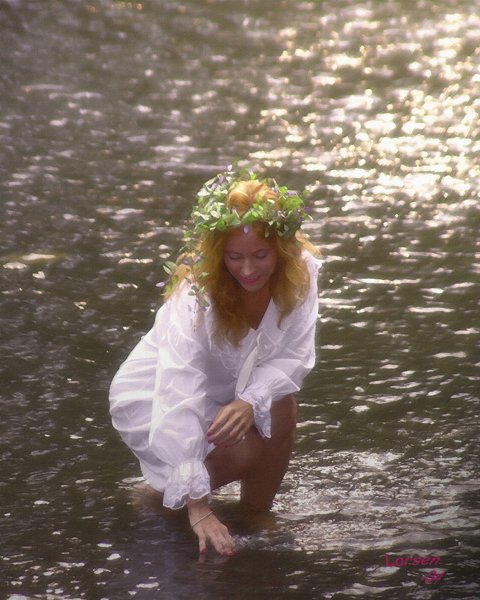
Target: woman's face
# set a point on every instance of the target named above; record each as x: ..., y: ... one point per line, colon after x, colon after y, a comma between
x: 249, y: 259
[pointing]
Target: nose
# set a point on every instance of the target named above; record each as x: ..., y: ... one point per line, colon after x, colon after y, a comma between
x: 247, y: 268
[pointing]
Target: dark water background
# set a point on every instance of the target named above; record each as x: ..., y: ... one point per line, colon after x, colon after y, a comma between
x: 111, y: 116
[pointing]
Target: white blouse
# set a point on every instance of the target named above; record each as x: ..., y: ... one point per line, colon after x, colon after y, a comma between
x: 168, y: 391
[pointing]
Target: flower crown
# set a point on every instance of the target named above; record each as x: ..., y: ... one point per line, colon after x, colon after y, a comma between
x: 285, y: 214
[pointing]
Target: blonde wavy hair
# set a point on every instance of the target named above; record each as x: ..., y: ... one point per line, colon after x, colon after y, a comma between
x: 289, y: 283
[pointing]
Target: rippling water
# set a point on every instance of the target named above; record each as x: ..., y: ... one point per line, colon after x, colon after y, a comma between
x: 112, y: 115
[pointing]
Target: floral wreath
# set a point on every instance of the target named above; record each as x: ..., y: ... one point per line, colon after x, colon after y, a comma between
x: 285, y: 214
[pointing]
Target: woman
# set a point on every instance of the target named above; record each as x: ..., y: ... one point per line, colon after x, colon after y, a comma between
x: 205, y: 398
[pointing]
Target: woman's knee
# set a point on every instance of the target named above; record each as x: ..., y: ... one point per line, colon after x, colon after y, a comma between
x: 284, y: 417
x: 240, y: 460
x: 226, y: 464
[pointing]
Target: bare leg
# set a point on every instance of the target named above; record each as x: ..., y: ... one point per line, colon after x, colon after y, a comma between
x: 262, y: 482
x: 258, y: 463
x: 225, y: 465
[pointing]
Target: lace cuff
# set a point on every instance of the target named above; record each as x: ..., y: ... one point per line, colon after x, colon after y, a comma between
x: 261, y: 402
x: 190, y: 479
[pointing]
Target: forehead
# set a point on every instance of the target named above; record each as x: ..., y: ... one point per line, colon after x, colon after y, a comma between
x: 241, y: 241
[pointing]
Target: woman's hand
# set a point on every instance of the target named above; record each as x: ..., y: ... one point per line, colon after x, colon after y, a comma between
x: 231, y: 423
x: 209, y: 529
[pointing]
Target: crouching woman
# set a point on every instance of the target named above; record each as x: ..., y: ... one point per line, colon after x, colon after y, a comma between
x: 206, y: 397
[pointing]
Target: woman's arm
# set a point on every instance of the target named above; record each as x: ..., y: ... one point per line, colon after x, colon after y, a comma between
x: 291, y: 358
x: 177, y: 440
x: 279, y: 374
x: 209, y: 529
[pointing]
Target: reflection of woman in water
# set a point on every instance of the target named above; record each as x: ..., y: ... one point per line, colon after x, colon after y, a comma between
x: 205, y: 398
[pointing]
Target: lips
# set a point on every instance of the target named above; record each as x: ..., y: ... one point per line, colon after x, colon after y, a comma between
x: 249, y: 280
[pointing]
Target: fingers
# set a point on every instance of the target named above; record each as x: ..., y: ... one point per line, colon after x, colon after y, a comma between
x: 228, y: 435
x: 231, y: 423
x: 222, y: 541
x: 212, y: 531
x: 202, y: 545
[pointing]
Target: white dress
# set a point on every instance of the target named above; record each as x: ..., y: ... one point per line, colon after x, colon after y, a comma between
x: 168, y: 391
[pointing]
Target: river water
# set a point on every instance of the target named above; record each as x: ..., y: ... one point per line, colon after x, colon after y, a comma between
x: 112, y: 115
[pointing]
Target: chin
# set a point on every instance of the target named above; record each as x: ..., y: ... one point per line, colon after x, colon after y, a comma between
x: 253, y: 287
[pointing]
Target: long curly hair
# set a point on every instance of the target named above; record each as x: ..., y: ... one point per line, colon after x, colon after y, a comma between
x: 289, y: 283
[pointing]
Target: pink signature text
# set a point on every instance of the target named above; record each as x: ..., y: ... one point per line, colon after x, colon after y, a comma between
x: 432, y: 577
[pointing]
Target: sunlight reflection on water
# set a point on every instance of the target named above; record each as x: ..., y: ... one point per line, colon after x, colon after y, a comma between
x: 375, y: 109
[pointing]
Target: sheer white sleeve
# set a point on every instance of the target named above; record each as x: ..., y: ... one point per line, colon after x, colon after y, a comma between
x: 291, y: 358
x: 178, y: 423
x: 158, y: 401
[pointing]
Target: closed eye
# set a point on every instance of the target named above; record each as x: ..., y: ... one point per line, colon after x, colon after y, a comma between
x: 260, y: 254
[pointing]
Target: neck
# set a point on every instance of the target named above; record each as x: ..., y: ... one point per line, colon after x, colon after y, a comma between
x: 255, y: 304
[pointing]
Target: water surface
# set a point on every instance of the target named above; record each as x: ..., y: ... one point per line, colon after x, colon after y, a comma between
x: 112, y: 115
